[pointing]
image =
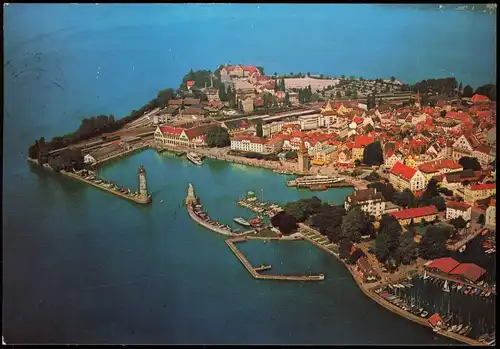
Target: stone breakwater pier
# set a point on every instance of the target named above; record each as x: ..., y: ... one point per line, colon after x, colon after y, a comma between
x: 141, y: 198
x: 191, y: 201
x: 254, y: 271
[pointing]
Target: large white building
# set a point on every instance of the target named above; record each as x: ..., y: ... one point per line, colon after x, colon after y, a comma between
x: 272, y: 128
x: 309, y: 122
x: 369, y: 200
x: 455, y: 209
x: 256, y: 144
x: 193, y: 137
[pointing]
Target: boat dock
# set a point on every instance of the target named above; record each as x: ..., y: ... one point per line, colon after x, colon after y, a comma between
x: 137, y: 199
x: 254, y: 271
x: 263, y: 267
x: 459, y: 244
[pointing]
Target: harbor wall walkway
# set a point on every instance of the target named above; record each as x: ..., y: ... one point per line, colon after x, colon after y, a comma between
x: 136, y: 199
x: 256, y: 275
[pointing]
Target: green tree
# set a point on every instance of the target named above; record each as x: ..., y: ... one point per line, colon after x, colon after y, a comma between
x: 458, y: 223
x: 259, y: 132
x: 352, y: 77
x: 354, y: 224
x: 284, y: 222
x: 433, y: 243
x: 357, y: 162
x: 287, y: 99
x: 291, y: 155
x: 468, y: 91
x: 328, y: 220
x: 342, y: 76
x: 372, y: 154
x: 469, y: 163
x: 218, y: 137
x: 261, y: 70
x: 386, y: 189
x: 481, y: 219
x: 308, y: 74
x: 405, y: 198
x: 345, y: 246
x: 338, y: 94
x: 388, y: 238
x: 393, y: 79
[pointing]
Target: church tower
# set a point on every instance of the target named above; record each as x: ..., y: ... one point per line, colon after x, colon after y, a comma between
x: 143, y: 189
x: 417, y: 100
x: 303, y: 158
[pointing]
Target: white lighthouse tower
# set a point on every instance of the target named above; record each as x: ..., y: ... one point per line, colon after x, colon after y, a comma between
x: 143, y: 189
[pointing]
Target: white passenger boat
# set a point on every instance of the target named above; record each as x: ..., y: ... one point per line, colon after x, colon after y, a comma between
x: 194, y: 158
x: 241, y: 221
x: 307, y: 181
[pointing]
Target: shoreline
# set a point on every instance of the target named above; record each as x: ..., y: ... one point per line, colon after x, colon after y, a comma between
x: 368, y: 291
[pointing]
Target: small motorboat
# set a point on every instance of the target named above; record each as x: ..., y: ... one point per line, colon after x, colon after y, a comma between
x: 459, y: 327
x: 452, y: 328
x: 454, y: 286
x: 487, y: 294
x: 478, y: 292
x: 161, y: 202
x: 424, y: 314
x: 468, y: 331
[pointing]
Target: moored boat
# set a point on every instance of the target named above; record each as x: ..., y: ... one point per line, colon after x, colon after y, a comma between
x: 194, y: 158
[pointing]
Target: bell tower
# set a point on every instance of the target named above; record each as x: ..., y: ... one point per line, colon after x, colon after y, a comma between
x: 303, y: 159
x: 417, y: 100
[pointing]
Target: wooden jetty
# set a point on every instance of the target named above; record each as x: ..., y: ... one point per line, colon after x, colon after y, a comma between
x: 263, y: 267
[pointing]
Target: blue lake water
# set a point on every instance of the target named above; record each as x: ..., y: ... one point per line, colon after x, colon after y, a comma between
x: 81, y: 265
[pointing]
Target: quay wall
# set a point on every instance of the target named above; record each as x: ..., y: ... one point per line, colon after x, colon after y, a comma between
x: 369, y: 293
x: 211, y: 227
x: 251, y: 270
x: 138, y: 200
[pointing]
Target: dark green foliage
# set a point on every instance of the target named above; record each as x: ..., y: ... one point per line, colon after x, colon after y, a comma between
x: 222, y: 93
x: 200, y: 78
x: 218, y: 137
x: 355, y: 224
x: 445, y: 86
x: 469, y: 163
x: 372, y: 154
x: 439, y: 202
x: 303, y: 208
x: 291, y: 155
x: 357, y: 162
x: 481, y: 219
x: 328, y: 220
x: 459, y: 222
x: 388, y: 238
x: 284, y: 222
x: 433, y: 243
x: 386, y: 189
x: 488, y: 90
x: 404, y: 198
x: 468, y: 91
x: 259, y: 131
x: 344, y: 248
x: 261, y: 70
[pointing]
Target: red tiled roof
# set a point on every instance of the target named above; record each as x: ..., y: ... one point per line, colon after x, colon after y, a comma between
x: 435, y: 166
x: 479, y: 98
x: 483, y: 149
x: 171, y: 130
x: 362, y: 141
x: 484, y: 186
x: 445, y: 264
x: 252, y: 139
x: 403, y: 171
x: 470, y: 271
x: 462, y: 206
x: 415, y: 212
x: 197, y: 131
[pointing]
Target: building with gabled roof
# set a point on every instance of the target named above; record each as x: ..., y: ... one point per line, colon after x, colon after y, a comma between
x: 468, y: 272
x: 403, y: 177
x: 443, y: 265
x: 427, y: 213
x: 190, y: 137
x: 475, y: 192
x: 455, y: 209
